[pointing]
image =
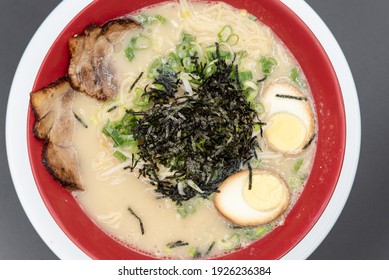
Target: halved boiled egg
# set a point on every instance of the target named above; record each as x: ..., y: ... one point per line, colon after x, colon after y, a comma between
x: 245, y: 205
x: 289, y: 118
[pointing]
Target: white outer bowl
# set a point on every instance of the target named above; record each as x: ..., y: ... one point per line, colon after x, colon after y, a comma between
x: 16, y: 134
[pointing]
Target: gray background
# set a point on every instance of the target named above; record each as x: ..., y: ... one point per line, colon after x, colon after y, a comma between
x: 362, y: 30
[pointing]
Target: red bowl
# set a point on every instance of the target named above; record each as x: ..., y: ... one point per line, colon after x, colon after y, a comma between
x: 328, y: 160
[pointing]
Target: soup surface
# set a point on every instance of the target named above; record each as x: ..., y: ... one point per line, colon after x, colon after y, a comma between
x: 122, y: 201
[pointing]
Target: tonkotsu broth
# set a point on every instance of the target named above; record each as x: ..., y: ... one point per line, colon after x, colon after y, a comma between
x: 110, y: 190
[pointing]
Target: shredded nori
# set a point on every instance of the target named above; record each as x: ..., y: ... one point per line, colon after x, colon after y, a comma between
x: 165, y: 89
x: 310, y: 141
x: 175, y: 244
x: 292, y: 97
x: 112, y: 108
x: 210, y: 248
x: 199, y: 136
x: 250, y: 176
x: 202, y: 138
x: 80, y: 120
x: 142, y: 230
x: 136, y: 80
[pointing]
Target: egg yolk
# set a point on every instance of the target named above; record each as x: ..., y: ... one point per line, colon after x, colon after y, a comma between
x: 266, y: 193
x: 285, y: 132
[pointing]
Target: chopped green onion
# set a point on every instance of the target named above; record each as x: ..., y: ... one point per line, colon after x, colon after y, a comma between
x: 225, y: 33
x: 119, y: 155
x: 186, y: 37
x: 256, y: 232
x: 211, y: 55
x: 121, y: 132
x: 194, y: 253
x: 163, y: 66
x: 140, y: 42
x: 225, y: 55
x: 240, y: 55
x: 296, y: 77
x: 259, y: 108
x: 143, y: 19
x: 233, y: 40
x: 173, y: 61
x: 253, y: 87
x: 161, y: 19
x: 230, y: 242
x: 154, y: 67
x: 250, y: 96
x: 298, y: 165
x: 268, y: 64
x: 257, y: 127
x: 119, y: 139
x: 294, y: 74
x: 129, y: 52
x: 186, y: 208
x: 210, y: 50
x: 142, y: 101
x: 148, y: 20
x: 188, y: 64
x: 245, y: 76
x: 209, y: 70
x: 183, y: 48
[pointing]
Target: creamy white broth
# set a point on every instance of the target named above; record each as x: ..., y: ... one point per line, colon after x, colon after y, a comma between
x: 110, y: 190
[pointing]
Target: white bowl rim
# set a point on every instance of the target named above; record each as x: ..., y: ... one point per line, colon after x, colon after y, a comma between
x: 16, y: 134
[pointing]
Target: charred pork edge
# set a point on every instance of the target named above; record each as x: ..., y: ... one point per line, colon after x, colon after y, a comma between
x: 69, y: 185
x: 55, y: 84
x: 124, y: 21
x: 75, y: 82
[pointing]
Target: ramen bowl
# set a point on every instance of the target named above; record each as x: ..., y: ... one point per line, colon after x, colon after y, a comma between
x: 63, y: 224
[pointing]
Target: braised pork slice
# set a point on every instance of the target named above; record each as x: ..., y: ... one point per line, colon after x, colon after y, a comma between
x: 90, y: 68
x: 55, y: 124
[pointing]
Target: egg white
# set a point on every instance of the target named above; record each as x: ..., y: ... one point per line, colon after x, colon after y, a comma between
x: 231, y: 204
x: 301, y: 109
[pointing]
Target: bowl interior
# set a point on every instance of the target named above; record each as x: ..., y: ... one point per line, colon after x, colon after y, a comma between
x: 330, y: 139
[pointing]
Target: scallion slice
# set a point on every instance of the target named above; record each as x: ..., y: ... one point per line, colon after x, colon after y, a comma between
x: 225, y: 33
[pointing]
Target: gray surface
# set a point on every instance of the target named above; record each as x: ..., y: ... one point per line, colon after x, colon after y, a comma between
x: 361, y: 28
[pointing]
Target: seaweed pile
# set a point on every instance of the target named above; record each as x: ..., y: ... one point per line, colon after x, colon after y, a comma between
x: 201, y: 135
